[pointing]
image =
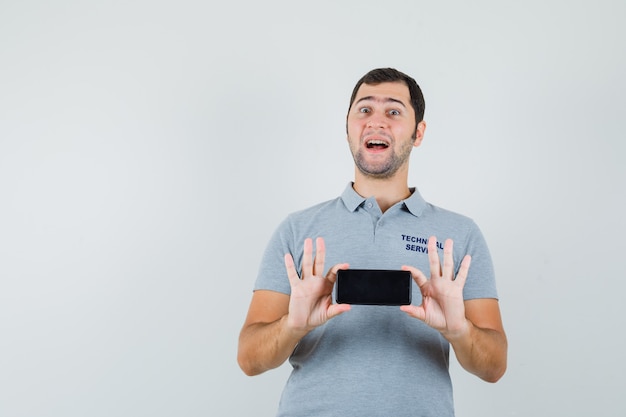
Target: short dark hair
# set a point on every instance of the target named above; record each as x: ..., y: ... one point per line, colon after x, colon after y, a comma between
x: 384, y: 75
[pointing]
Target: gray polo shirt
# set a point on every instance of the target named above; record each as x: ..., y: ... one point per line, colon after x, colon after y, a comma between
x: 373, y: 360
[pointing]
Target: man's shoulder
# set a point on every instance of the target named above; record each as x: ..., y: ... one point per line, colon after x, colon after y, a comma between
x: 433, y: 209
x: 448, y: 220
x: 324, y: 206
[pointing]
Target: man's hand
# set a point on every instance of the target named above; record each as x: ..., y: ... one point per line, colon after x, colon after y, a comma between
x: 276, y: 322
x: 473, y: 327
x: 442, y: 295
x: 311, y: 304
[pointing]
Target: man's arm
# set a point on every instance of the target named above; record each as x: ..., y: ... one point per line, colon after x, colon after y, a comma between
x: 482, y: 347
x: 265, y: 342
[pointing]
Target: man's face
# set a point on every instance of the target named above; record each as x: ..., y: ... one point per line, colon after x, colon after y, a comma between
x: 382, y: 129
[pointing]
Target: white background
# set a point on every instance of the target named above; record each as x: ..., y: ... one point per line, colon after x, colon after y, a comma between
x: 148, y: 149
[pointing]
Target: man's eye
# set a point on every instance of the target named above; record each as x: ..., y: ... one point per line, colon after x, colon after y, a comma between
x: 394, y: 112
x: 364, y: 110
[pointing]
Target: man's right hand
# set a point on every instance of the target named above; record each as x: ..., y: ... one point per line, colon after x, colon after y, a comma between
x: 311, y: 304
x: 276, y: 321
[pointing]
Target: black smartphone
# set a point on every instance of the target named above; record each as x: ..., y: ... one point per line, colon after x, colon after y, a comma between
x: 373, y: 287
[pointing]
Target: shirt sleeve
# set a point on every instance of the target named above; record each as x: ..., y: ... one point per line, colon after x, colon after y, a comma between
x: 272, y: 274
x: 481, y: 281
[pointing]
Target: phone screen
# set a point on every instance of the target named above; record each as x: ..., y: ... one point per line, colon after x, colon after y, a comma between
x: 373, y: 287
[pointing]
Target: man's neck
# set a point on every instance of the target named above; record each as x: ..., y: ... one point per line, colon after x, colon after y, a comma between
x: 386, y: 191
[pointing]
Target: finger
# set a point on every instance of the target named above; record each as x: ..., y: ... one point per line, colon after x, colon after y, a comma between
x: 414, y: 311
x: 320, y: 256
x: 461, y: 276
x: 307, y: 258
x: 418, y: 276
x: 336, y: 309
x: 332, y: 272
x: 448, y: 260
x: 292, y: 274
x: 433, y: 257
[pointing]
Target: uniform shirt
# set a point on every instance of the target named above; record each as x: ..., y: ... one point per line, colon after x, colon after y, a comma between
x: 373, y: 360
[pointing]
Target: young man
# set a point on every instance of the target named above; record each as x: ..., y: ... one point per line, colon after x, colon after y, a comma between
x: 375, y: 360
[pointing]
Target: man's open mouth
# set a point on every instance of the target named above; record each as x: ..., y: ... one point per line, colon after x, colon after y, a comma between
x: 376, y: 144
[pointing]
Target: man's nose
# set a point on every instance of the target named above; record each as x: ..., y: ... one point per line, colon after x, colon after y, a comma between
x: 376, y: 122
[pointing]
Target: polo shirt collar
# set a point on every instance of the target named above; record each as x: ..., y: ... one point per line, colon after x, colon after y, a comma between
x: 415, y: 203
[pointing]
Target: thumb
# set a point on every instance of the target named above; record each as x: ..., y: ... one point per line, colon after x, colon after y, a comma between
x: 336, y: 309
x: 414, y: 311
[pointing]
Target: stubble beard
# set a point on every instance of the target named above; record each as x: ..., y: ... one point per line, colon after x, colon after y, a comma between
x: 383, y: 169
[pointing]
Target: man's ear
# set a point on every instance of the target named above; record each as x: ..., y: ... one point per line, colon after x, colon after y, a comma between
x: 419, y: 133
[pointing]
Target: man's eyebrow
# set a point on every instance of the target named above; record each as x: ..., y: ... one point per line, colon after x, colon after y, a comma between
x: 384, y: 100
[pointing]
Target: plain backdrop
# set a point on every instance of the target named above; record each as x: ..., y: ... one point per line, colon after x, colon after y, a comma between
x: 148, y: 149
